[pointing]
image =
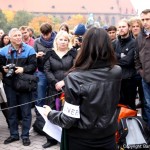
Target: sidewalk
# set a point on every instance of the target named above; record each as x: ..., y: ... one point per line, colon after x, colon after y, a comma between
x: 36, y: 140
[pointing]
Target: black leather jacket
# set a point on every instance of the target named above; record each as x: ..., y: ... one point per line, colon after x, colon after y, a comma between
x: 96, y: 92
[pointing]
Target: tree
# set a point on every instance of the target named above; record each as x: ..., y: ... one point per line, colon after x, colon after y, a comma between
x: 37, y: 21
x: 3, y: 21
x: 9, y: 15
x: 76, y: 19
x: 21, y: 18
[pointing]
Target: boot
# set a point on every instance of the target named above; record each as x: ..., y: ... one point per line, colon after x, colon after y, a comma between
x: 49, y: 143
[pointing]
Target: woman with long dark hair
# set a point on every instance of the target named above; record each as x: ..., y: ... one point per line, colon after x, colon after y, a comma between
x: 89, y: 116
x: 4, y: 40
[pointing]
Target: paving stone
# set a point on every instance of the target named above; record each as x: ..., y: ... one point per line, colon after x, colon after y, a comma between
x: 36, y: 140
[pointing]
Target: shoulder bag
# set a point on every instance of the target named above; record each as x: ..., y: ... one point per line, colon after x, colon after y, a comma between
x: 25, y: 82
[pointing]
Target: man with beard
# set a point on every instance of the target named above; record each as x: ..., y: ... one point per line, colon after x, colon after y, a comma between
x: 26, y: 35
x: 124, y: 48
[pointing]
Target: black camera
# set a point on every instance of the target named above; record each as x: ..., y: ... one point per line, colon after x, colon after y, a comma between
x: 11, y: 70
x: 80, y: 39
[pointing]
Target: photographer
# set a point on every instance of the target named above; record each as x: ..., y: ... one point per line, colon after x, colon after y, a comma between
x: 79, y: 31
x: 17, y: 58
x: 76, y: 42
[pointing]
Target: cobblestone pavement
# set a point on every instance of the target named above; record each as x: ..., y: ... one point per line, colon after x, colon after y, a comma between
x: 36, y: 140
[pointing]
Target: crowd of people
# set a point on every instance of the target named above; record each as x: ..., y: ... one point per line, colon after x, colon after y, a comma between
x: 96, y: 68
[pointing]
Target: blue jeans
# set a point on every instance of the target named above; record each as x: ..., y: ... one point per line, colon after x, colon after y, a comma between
x: 146, y: 89
x: 42, y: 88
x: 14, y: 98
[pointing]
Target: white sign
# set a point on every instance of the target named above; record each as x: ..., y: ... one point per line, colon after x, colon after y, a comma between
x: 50, y: 128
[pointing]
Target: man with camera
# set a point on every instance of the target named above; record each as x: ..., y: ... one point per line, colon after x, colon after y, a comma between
x: 15, y: 59
x: 79, y: 32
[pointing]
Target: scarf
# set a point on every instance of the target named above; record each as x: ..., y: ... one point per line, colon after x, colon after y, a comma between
x: 49, y: 43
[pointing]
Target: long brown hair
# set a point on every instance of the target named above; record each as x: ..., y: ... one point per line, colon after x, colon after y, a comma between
x: 96, y: 47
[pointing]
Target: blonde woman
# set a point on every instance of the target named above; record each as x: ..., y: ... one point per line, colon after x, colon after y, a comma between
x: 59, y: 61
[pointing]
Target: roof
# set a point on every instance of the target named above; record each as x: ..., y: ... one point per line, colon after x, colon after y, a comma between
x: 69, y: 6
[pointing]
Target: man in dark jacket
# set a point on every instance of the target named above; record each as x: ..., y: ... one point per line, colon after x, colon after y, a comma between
x: 124, y: 48
x: 42, y: 45
x: 142, y: 59
x: 135, y: 28
x: 23, y: 58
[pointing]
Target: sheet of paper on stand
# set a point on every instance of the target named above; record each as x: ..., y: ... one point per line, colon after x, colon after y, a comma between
x: 49, y: 128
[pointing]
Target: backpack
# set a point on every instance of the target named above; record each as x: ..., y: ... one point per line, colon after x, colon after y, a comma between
x: 39, y: 124
x: 133, y: 134
x: 124, y: 111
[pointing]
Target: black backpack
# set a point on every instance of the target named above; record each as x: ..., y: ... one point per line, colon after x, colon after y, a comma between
x: 39, y: 124
x: 133, y: 134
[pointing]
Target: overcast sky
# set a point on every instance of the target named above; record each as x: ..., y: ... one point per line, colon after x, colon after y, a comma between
x: 141, y: 4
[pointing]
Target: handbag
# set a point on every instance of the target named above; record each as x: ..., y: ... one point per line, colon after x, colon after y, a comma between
x: 25, y: 82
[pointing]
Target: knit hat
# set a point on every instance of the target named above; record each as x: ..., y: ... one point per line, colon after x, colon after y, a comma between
x: 80, y: 29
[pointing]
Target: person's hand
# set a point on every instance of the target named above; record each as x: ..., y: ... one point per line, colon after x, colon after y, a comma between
x: 40, y: 54
x: 19, y: 70
x: 59, y: 85
x: 47, y: 110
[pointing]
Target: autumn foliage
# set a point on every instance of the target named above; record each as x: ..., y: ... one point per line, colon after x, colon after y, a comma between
x: 37, y: 21
x: 15, y: 21
x: 75, y: 20
x: 9, y: 15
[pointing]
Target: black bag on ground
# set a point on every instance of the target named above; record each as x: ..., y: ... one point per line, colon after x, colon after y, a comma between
x: 25, y: 82
x: 39, y: 124
x: 133, y: 134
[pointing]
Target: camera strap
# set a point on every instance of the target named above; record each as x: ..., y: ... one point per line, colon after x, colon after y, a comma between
x: 11, y: 52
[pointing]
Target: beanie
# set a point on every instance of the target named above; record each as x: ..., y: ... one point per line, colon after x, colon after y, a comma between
x: 80, y: 29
